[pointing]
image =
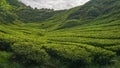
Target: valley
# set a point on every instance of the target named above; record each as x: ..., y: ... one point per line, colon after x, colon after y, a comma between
x: 86, y: 36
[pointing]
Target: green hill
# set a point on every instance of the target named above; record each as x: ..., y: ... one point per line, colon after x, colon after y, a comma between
x: 4, y: 4
x: 15, y: 10
x: 35, y: 15
x: 86, y: 36
x: 7, y: 9
x: 88, y: 13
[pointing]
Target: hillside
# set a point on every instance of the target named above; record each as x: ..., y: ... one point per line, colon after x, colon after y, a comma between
x: 7, y: 9
x: 15, y: 10
x: 88, y: 13
x: 86, y: 36
x: 35, y: 15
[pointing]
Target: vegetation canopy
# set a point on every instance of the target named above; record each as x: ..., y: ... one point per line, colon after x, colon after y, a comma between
x: 86, y: 36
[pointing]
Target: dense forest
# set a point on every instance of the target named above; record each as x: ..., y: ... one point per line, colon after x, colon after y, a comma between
x: 87, y: 36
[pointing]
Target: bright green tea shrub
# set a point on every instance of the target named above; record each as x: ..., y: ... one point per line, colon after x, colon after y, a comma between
x: 71, y: 55
x: 30, y: 53
x: 5, y: 56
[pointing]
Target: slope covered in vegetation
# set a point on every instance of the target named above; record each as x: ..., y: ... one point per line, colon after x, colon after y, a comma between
x: 18, y: 11
x: 7, y: 9
x: 94, y: 10
x: 86, y: 36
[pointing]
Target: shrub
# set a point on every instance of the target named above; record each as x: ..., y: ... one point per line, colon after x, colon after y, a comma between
x: 5, y: 44
x: 72, y: 55
x: 99, y: 55
x: 28, y: 52
x: 5, y: 56
x: 115, y: 48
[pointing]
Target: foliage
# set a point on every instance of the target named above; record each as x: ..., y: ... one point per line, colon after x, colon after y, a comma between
x: 30, y: 53
x: 79, y: 37
x: 34, y: 15
x: 69, y: 54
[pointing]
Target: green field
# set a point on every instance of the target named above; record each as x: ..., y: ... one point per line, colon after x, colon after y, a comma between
x: 81, y: 37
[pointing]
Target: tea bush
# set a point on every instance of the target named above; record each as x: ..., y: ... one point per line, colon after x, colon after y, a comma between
x: 28, y: 52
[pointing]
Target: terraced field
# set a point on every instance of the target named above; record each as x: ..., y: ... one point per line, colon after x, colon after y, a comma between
x: 94, y: 44
x: 86, y: 36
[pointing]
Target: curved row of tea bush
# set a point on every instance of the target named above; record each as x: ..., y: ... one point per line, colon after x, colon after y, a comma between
x: 87, y: 52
